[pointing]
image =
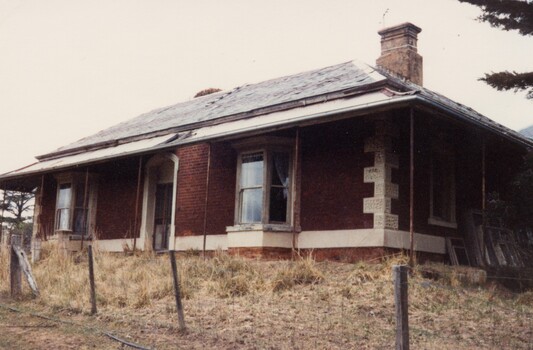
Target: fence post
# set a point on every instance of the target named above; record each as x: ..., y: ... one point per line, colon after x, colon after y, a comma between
x: 400, y: 301
x: 15, y: 273
x: 91, y: 280
x: 179, y: 307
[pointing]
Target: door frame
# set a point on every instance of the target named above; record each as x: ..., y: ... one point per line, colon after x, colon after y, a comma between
x: 148, y: 208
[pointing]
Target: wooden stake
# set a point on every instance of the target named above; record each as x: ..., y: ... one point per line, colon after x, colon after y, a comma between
x: 91, y: 280
x: 179, y: 306
x: 206, y: 198
x: 15, y: 273
x: 411, y: 187
x: 24, y: 265
x: 401, y: 303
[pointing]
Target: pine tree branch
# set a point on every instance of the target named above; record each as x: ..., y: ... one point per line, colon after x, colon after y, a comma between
x: 506, y: 15
x: 511, y: 81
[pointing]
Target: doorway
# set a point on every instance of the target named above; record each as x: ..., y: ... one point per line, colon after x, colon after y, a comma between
x: 162, y: 216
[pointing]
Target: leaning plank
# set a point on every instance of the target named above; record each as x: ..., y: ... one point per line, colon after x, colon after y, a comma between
x: 26, y: 268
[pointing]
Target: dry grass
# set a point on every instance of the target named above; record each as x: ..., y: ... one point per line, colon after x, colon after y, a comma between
x: 231, y: 303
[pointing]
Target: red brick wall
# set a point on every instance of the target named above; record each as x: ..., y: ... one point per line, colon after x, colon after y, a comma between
x: 48, y: 206
x: 192, y: 189
x: 332, y: 188
x: 222, y: 182
x: 117, y: 190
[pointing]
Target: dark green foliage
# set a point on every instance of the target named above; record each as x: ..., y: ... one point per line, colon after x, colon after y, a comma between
x: 508, y: 15
x: 511, y: 81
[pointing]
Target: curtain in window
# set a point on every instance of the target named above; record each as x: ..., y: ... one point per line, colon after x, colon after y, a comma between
x: 63, y: 207
x: 279, y: 187
x: 281, y: 164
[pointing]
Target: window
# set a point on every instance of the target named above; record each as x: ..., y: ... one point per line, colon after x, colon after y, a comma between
x: 251, y: 192
x: 72, y: 206
x: 264, y: 186
x: 442, y: 187
x: 64, y: 199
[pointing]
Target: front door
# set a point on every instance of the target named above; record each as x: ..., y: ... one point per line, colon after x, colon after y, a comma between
x: 162, y: 216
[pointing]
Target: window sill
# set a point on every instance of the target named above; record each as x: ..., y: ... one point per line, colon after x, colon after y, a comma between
x: 439, y: 222
x: 259, y: 227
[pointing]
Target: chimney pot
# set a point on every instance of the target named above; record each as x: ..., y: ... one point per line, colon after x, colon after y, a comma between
x: 399, y: 51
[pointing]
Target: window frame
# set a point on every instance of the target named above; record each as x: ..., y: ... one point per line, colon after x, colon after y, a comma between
x: 266, y: 146
x: 75, y: 180
x: 444, y: 151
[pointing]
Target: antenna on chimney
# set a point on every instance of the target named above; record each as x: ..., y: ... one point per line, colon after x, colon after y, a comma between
x: 383, y: 18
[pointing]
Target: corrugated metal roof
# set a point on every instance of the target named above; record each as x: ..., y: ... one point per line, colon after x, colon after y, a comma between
x: 242, y: 99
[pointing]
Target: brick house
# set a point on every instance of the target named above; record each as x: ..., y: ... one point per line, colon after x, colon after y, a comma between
x: 349, y: 161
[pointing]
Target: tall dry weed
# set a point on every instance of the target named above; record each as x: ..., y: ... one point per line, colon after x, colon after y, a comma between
x: 302, y: 271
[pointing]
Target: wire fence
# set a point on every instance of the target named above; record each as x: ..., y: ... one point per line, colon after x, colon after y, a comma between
x: 232, y: 303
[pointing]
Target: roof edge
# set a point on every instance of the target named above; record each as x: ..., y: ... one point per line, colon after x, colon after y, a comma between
x: 349, y: 92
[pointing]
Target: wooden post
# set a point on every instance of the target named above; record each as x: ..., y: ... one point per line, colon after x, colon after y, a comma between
x: 85, y: 211
x: 42, y: 232
x: 295, y: 203
x: 206, y: 198
x: 179, y: 306
x: 25, y: 267
x: 137, y: 195
x: 483, y: 198
x: 2, y: 216
x: 15, y: 273
x: 411, y: 187
x: 401, y: 302
x: 91, y: 280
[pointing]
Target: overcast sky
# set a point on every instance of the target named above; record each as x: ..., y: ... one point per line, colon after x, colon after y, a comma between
x: 71, y: 68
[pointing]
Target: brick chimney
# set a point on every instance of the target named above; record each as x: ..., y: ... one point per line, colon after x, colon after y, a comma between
x: 399, y: 53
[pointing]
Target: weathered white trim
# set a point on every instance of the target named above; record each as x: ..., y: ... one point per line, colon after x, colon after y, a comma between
x: 369, y: 238
x: 115, y: 245
x: 150, y: 182
x: 212, y: 242
x: 259, y: 239
x: 305, y: 240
